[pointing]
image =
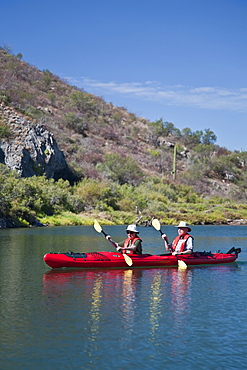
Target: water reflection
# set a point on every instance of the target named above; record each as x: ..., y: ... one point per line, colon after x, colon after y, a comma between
x: 128, y: 298
x: 107, y: 298
x: 180, y: 294
x: 155, y: 302
x: 115, y: 306
x: 169, y: 290
x: 95, y: 311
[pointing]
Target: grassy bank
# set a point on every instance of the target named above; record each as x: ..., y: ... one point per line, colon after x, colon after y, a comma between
x: 191, y: 213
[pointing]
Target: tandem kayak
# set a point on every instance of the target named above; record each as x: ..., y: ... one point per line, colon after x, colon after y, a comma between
x: 117, y: 260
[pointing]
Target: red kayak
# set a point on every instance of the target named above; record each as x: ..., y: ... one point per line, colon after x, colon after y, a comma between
x: 116, y: 260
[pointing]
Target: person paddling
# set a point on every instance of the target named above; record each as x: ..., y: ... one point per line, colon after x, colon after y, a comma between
x: 131, y: 245
x: 183, y: 243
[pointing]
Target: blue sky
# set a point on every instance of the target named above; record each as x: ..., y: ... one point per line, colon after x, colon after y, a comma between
x: 181, y: 60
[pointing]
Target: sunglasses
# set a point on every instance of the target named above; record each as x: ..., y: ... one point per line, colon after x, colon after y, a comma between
x: 130, y: 232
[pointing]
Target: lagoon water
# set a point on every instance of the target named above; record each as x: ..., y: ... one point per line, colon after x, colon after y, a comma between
x: 161, y: 318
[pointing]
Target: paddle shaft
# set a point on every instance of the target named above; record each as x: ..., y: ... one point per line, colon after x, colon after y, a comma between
x: 103, y: 232
x: 165, y: 241
x: 110, y: 240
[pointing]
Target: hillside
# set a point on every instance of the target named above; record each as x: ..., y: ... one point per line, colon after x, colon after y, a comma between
x: 106, y: 143
x: 85, y: 127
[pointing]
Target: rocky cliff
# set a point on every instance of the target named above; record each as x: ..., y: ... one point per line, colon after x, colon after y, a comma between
x: 30, y: 148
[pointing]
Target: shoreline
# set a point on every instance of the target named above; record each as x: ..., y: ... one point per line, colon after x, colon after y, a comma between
x: 104, y: 219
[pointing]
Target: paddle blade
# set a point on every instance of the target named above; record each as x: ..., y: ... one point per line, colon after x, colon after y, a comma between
x: 156, y: 224
x: 182, y: 265
x: 128, y: 260
x: 97, y: 226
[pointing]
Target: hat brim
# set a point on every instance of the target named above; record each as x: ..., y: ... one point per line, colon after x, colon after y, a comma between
x: 184, y: 227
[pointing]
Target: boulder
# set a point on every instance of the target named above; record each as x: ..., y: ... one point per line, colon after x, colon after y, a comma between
x: 31, y: 149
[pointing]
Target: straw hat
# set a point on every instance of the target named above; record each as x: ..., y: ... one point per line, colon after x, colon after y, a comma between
x: 183, y: 224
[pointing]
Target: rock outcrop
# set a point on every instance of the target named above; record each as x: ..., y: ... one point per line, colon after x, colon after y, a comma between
x: 30, y: 148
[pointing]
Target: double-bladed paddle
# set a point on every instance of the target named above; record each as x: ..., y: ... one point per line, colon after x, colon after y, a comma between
x: 99, y: 229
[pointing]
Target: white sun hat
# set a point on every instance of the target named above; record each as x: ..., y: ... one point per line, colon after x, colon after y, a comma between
x: 184, y: 224
x: 132, y: 228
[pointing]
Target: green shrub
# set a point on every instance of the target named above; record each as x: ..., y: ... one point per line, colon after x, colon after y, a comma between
x: 122, y: 170
x: 97, y: 194
x: 74, y: 122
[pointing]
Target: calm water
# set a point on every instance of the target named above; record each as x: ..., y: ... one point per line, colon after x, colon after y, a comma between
x: 121, y: 319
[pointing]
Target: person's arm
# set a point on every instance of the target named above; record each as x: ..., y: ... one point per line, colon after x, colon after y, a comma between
x: 120, y: 246
x: 187, y: 251
x: 167, y: 245
x: 116, y: 245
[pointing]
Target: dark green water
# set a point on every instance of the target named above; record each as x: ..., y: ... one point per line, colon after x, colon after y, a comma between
x: 121, y: 319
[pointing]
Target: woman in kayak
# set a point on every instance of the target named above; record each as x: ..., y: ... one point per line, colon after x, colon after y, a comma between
x: 133, y: 244
x: 183, y: 243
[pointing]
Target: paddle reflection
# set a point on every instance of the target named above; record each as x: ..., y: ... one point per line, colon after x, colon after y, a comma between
x: 128, y: 294
x: 129, y: 298
x: 95, y: 308
x: 155, y: 302
x: 180, y: 295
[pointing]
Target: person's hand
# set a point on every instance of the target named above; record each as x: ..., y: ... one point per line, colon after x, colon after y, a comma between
x: 108, y: 237
x: 164, y: 236
x: 175, y: 253
x: 118, y: 248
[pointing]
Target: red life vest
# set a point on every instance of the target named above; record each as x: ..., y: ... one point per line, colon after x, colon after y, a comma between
x: 130, y: 243
x: 176, y: 240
